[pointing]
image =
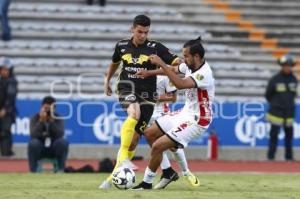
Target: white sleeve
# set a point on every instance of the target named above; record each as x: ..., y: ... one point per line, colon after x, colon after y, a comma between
x: 201, y: 80
x: 182, y: 68
x: 169, y: 86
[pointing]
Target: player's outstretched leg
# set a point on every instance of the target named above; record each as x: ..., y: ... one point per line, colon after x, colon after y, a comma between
x: 106, y: 184
x: 191, y: 178
x: 187, y: 174
x: 168, y: 174
x: 158, y: 147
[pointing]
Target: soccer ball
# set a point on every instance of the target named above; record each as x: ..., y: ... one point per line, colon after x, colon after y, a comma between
x: 123, y: 178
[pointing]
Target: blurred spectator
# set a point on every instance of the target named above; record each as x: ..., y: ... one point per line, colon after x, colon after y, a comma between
x: 101, y: 2
x: 8, y: 93
x: 280, y: 94
x: 46, y: 132
x: 6, y: 35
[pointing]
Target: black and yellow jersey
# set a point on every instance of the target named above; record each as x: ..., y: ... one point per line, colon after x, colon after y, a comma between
x: 135, y: 58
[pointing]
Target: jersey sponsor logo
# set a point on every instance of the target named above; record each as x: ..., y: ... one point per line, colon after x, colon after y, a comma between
x: 122, y: 43
x: 134, y: 69
x: 135, y: 60
x: 132, y: 76
x: 130, y: 98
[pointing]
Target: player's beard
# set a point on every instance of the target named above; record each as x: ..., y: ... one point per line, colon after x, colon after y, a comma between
x: 191, y: 65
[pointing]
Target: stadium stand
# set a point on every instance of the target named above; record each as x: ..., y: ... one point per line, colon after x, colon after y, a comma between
x: 57, y: 43
x: 59, y: 40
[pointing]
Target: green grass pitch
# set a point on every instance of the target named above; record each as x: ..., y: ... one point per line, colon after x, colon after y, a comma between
x: 214, y: 186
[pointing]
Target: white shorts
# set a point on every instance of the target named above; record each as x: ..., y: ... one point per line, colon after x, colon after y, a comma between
x: 155, y: 116
x: 180, y: 127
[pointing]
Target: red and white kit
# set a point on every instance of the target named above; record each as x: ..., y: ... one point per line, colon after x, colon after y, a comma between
x: 196, y: 115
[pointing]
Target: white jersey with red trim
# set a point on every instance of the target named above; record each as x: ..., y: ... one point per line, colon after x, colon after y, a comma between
x: 163, y: 86
x: 199, y: 100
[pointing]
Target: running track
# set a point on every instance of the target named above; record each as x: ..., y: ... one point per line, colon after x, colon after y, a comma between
x: 21, y: 166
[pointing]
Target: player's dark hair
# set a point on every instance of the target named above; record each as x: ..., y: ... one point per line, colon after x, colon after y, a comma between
x: 192, y: 42
x: 141, y: 20
x: 196, y: 47
x: 48, y: 100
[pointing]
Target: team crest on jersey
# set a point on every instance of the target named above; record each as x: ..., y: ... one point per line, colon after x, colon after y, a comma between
x: 199, y: 77
x: 151, y: 45
x: 135, y: 60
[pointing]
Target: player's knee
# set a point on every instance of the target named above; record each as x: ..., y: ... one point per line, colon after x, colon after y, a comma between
x: 152, y: 133
x: 132, y: 146
x: 150, y: 137
x: 134, y: 111
x: 157, y: 148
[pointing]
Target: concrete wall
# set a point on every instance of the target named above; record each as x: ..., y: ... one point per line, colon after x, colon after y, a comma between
x: 82, y: 151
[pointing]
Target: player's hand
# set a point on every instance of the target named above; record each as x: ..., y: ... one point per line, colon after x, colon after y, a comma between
x: 154, y: 59
x: 179, y: 61
x: 142, y: 74
x: 107, y: 89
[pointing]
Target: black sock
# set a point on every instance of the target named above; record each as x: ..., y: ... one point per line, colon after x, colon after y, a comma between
x: 146, y: 185
x: 168, y: 171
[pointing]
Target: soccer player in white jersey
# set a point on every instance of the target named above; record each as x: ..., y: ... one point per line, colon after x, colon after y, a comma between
x: 166, y: 92
x: 178, y: 129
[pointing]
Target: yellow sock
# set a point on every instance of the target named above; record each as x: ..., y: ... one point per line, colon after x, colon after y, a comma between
x: 131, y: 154
x: 109, y: 178
x: 127, y: 133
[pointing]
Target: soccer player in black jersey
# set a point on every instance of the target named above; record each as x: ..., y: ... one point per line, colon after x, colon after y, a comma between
x: 136, y: 95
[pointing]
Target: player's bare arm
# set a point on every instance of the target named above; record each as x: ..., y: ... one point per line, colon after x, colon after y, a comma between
x: 110, y: 72
x: 147, y: 73
x: 180, y: 83
x: 167, y: 97
x: 160, y: 71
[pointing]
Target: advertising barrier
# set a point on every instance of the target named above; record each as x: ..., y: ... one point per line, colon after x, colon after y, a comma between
x: 99, y: 122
